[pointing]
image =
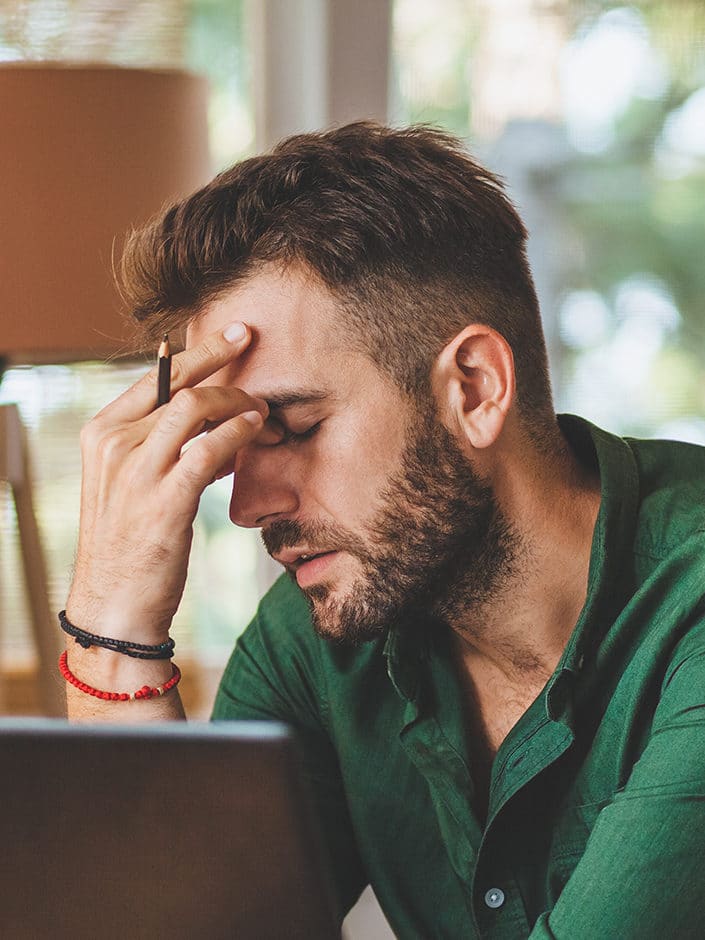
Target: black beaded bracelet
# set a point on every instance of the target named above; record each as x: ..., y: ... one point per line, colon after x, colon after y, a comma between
x: 136, y: 650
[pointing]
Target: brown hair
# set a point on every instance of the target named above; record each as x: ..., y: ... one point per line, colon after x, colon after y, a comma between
x: 413, y: 237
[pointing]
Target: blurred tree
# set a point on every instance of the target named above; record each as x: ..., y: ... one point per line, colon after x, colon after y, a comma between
x: 594, y: 111
x: 637, y: 207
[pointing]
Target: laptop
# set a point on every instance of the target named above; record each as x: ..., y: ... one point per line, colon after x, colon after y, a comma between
x: 177, y: 831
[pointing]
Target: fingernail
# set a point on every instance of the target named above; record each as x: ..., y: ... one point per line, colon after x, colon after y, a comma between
x: 252, y: 417
x: 235, y: 332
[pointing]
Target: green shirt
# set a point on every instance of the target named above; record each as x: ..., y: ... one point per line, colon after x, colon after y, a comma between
x: 596, y: 822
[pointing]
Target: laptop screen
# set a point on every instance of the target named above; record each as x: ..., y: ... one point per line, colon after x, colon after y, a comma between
x: 170, y: 830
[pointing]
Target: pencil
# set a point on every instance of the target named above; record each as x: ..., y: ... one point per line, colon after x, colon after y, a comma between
x: 164, y: 392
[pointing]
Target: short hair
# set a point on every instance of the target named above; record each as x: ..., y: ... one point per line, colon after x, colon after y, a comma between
x: 413, y: 238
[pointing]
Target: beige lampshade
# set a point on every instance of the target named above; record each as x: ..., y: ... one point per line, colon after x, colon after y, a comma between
x: 86, y: 153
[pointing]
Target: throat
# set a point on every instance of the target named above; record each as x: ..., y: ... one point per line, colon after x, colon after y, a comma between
x: 492, y: 705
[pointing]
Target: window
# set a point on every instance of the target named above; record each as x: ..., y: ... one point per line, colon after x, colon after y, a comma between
x: 594, y: 112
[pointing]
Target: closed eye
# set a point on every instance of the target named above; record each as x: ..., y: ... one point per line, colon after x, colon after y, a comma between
x: 290, y: 437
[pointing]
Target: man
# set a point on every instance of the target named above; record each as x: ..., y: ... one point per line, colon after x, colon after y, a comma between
x: 491, y: 639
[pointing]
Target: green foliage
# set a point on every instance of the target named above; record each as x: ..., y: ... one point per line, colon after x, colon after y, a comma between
x: 638, y: 209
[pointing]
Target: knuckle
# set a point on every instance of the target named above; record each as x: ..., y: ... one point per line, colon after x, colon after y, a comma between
x: 177, y: 372
x: 109, y: 446
x: 208, y: 349
x: 184, y: 401
x: 199, y: 465
x: 197, y: 472
x: 90, y: 434
x: 98, y: 438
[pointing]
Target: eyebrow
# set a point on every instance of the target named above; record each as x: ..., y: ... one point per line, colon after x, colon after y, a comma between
x: 288, y: 398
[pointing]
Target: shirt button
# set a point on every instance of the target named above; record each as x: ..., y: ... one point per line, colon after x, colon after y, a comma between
x: 494, y: 897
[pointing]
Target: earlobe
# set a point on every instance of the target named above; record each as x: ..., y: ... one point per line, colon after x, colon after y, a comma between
x: 474, y: 379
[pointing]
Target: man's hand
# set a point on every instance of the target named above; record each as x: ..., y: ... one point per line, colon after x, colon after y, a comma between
x: 139, y: 498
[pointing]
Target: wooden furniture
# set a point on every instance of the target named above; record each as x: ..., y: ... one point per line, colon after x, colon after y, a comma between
x: 15, y: 470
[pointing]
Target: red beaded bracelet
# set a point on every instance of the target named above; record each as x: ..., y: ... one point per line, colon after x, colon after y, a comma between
x: 147, y: 691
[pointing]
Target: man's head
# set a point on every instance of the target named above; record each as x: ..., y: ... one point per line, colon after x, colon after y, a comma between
x: 384, y: 277
x: 413, y: 238
x: 434, y: 545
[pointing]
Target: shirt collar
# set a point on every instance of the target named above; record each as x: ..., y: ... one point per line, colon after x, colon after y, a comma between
x: 610, y: 573
x: 405, y: 649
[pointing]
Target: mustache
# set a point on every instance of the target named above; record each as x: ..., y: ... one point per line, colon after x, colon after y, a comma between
x: 289, y: 533
x: 285, y: 533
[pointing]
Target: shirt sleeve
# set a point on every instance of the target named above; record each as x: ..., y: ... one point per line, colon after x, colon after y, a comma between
x: 642, y: 872
x: 271, y: 677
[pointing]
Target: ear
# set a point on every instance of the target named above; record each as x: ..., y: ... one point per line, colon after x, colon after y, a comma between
x: 474, y: 383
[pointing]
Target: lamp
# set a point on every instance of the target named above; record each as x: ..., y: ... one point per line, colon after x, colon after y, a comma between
x: 87, y: 152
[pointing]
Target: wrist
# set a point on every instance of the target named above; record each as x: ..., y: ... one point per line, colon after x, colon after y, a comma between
x: 106, y: 669
x: 145, y: 691
x: 118, y: 621
x: 131, y: 648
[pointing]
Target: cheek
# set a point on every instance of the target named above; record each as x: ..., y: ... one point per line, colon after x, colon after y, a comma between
x: 346, y: 477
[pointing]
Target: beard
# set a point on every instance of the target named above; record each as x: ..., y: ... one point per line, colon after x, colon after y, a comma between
x: 437, y: 549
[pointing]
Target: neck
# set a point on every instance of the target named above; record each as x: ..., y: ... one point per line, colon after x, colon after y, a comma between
x: 520, y: 632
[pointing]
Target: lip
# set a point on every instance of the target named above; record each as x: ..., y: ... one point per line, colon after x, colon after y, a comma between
x: 308, y: 572
x: 290, y: 557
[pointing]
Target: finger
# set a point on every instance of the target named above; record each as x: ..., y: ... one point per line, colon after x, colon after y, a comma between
x: 187, y: 369
x: 206, y: 458
x: 271, y: 433
x: 188, y: 414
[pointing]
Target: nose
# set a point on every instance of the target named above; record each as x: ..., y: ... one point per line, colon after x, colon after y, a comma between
x: 262, y: 487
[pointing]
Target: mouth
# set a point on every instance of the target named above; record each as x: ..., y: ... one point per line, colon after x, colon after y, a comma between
x: 309, y: 556
x: 311, y: 568
x: 307, y: 566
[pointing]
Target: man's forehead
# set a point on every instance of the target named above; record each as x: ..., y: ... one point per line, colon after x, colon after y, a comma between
x: 293, y: 321
x: 290, y: 305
